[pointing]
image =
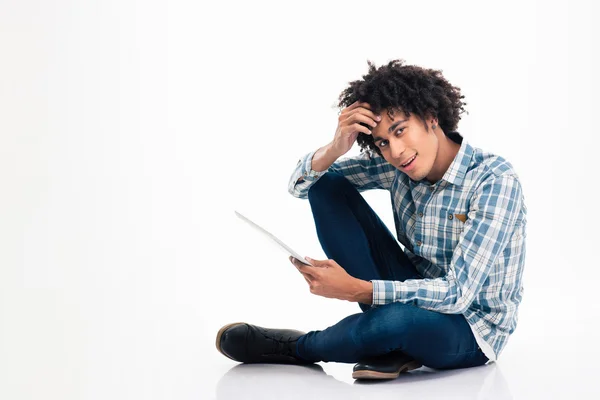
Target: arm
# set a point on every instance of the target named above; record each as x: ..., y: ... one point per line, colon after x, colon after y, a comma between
x: 365, y: 171
x: 490, y: 224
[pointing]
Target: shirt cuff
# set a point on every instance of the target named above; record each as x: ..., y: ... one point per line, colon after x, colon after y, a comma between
x: 308, y: 174
x: 384, y: 292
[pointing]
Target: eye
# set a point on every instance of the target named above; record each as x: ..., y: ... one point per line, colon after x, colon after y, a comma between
x: 382, y: 143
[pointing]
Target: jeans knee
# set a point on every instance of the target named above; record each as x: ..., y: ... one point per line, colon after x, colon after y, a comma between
x: 329, y: 184
x: 383, y: 328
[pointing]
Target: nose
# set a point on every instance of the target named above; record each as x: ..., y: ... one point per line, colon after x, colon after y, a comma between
x: 397, y: 148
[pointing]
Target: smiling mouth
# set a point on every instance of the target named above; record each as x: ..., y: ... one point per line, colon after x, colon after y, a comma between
x: 406, y: 164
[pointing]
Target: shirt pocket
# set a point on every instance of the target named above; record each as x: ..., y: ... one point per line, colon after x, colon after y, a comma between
x: 451, y: 225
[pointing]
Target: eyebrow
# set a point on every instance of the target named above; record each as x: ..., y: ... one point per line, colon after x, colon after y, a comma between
x: 390, y: 130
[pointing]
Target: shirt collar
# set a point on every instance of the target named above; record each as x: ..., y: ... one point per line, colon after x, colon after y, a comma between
x: 459, y: 166
x: 456, y: 172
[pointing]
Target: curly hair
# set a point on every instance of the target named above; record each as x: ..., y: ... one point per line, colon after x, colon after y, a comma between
x: 413, y: 89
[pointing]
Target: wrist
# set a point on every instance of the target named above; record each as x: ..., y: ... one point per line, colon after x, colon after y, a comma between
x: 363, y: 292
x: 332, y: 151
x: 323, y: 158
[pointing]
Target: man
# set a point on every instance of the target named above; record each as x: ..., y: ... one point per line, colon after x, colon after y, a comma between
x: 448, y: 298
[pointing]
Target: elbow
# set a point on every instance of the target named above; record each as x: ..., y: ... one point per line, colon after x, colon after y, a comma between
x: 294, y: 192
x: 462, y: 304
x: 458, y: 301
x: 297, y: 191
x: 460, y: 297
x: 292, y: 187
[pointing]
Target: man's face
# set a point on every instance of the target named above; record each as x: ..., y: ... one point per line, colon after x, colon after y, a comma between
x: 400, y: 139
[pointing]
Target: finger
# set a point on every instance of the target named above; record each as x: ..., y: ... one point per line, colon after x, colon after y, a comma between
x: 295, y: 261
x: 308, y: 270
x: 363, y: 104
x: 357, y: 127
x: 355, y: 105
x: 307, y: 279
x: 303, y: 268
x: 351, y: 107
x: 323, y: 263
x: 376, y: 117
x: 313, y: 262
x: 358, y: 117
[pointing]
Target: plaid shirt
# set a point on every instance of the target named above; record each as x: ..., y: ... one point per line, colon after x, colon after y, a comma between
x: 465, y: 234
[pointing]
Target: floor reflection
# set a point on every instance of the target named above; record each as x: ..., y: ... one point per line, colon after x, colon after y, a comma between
x: 275, y: 381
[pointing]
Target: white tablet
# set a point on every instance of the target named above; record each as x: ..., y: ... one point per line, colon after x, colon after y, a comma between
x: 282, y: 245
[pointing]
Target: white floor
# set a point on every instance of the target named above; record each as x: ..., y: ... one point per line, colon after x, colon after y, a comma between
x: 556, y: 365
x: 550, y: 356
x: 104, y: 345
x: 506, y: 380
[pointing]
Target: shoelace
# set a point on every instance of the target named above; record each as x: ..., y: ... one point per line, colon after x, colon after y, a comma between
x: 278, y: 346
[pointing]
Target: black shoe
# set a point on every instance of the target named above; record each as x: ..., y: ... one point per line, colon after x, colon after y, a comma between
x: 254, y: 344
x: 387, y: 366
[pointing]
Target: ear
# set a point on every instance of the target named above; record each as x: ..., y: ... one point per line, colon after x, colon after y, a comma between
x: 431, y: 119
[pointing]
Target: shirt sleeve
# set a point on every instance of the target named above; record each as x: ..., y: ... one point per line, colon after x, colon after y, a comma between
x: 491, y: 221
x: 368, y: 170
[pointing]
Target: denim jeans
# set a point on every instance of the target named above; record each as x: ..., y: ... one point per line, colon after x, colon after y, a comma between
x: 352, y: 234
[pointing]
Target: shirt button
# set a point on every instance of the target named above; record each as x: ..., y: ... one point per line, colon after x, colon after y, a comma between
x: 420, y: 214
x: 419, y: 243
x: 432, y: 188
x: 450, y: 216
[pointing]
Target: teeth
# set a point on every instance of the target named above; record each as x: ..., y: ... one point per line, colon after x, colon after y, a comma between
x: 409, y: 161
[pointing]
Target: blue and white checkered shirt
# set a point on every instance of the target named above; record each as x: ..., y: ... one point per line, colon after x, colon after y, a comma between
x: 465, y: 234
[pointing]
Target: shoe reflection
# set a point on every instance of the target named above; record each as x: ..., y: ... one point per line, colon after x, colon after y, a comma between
x: 280, y: 381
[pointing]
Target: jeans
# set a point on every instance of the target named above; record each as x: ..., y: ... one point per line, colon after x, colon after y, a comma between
x: 352, y: 234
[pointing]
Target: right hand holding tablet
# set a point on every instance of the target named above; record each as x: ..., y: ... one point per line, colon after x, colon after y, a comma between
x: 329, y: 279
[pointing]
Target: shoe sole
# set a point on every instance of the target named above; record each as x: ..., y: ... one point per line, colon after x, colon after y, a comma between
x: 220, y: 333
x: 367, y: 374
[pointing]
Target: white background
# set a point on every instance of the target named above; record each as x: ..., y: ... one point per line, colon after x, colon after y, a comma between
x: 130, y: 131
